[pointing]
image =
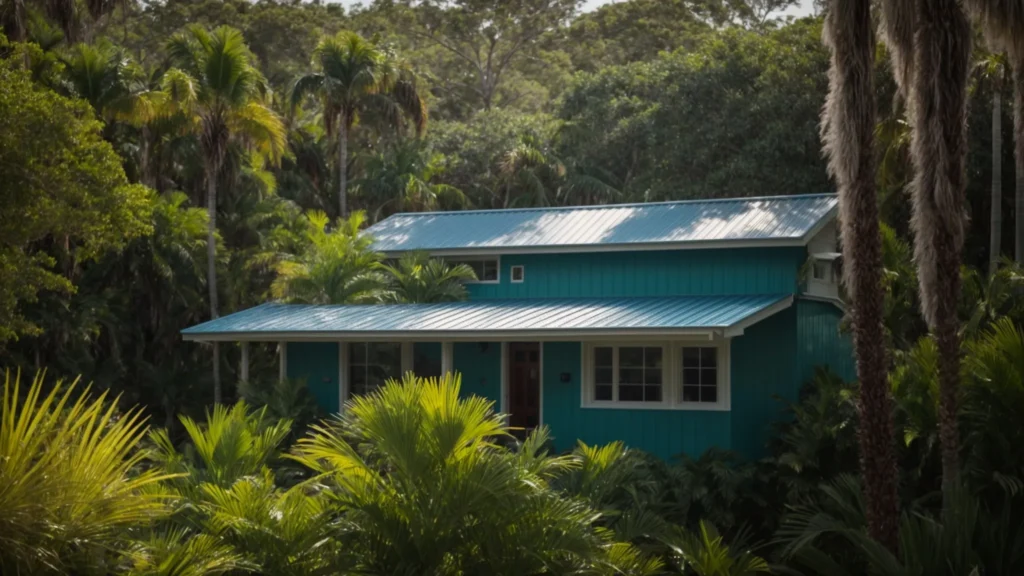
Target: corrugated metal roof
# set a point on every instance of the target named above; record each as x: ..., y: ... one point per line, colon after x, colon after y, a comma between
x: 778, y: 218
x: 482, y: 317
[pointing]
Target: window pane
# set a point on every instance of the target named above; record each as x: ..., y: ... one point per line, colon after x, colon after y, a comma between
x: 631, y: 376
x: 652, y: 357
x: 652, y: 393
x: 357, y: 353
x: 603, y: 376
x: 426, y: 366
x: 652, y: 376
x: 708, y: 394
x: 709, y: 376
x: 631, y: 357
x: 357, y: 380
x: 490, y: 271
x: 708, y: 357
x: 603, y: 356
x: 628, y: 393
x: 603, y: 392
x: 691, y: 357
x: 691, y: 393
x: 691, y: 376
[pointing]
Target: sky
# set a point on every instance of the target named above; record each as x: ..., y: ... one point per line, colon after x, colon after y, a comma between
x: 803, y: 9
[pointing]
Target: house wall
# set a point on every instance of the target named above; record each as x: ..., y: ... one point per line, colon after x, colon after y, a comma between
x: 821, y: 342
x: 480, y: 367
x: 649, y: 273
x: 317, y: 364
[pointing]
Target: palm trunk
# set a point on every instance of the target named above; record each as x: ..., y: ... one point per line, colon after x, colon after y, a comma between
x: 211, y: 266
x: 1018, y: 157
x: 996, y: 215
x: 848, y: 125
x: 938, y: 105
x: 343, y: 166
x: 145, y: 151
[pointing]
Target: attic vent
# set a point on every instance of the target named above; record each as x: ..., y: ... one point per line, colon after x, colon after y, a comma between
x: 518, y: 274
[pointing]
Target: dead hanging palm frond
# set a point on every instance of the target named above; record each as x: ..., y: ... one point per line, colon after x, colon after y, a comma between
x: 848, y: 124
x: 898, y: 22
x: 938, y: 112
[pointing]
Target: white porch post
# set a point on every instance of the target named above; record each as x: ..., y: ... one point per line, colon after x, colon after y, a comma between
x: 282, y: 366
x: 447, y: 354
x: 407, y: 358
x: 244, y: 371
x: 343, y: 362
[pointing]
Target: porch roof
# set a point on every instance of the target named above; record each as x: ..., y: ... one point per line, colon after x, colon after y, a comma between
x: 539, y: 318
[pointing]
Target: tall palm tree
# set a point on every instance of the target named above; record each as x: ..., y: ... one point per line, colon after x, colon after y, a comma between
x: 400, y: 179
x: 932, y: 49
x: 337, y: 267
x: 1002, y: 22
x: 419, y: 278
x: 217, y: 87
x: 848, y: 124
x: 352, y: 78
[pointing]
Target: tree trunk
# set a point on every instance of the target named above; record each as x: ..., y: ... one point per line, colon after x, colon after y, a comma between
x: 938, y: 105
x: 1018, y: 157
x: 211, y: 266
x: 145, y: 151
x: 343, y: 166
x: 848, y: 126
x: 996, y: 215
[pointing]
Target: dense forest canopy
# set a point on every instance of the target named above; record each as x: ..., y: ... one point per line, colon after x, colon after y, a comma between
x: 475, y: 104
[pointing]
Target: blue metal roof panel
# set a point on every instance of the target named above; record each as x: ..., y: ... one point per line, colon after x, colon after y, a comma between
x: 734, y: 219
x: 564, y: 315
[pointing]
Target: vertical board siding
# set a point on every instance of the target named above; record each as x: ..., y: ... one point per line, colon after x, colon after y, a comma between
x: 764, y: 380
x: 317, y: 364
x: 665, y: 433
x: 821, y: 342
x: 480, y: 367
x: 651, y: 273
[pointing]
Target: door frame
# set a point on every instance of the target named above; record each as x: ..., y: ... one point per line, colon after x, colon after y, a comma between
x: 503, y: 406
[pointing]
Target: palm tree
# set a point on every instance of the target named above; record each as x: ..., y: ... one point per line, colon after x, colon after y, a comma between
x: 353, y: 78
x: 337, y: 267
x: 931, y: 47
x: 218, y: 88
x: 114, y: 86
x: 1001, y: 22
x: 532, y: 175
x: 400, y: 179
x: 848, y: 124
x: 69, y: 483
x: 426, y: 489
x: 419, y: 278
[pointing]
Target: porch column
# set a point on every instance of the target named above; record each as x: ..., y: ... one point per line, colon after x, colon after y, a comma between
x: 407, y: 358
x: 447, y: 353
x: 244, y: 369
x: 343, y: 372
x: 282, y: 365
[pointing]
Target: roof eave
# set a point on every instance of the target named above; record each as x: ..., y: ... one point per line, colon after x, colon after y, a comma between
x: 584, y: 248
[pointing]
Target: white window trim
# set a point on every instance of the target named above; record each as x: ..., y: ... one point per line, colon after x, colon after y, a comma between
x: 512, y: 274
x: 463, y: 259
x: 672, y: 377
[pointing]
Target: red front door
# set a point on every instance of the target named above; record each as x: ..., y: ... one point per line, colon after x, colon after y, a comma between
x: 524, y: 384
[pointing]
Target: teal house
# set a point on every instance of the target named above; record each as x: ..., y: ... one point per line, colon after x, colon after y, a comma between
x: 672, y: 326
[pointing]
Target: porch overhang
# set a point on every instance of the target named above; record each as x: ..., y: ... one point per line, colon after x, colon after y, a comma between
x: 548, y: 319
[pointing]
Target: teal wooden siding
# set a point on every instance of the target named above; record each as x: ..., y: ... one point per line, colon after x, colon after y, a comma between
x: 665, y: 433
x: 317, y: 364
x: 820, y: 341
x: 480, y: 367
x: 651, y: 273
x: 764, y: 379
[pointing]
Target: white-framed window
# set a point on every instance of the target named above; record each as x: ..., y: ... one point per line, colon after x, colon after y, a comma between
x: 661, y: 375
x: 371, y: 364
x: 518, y: 274
x: 488, y: 270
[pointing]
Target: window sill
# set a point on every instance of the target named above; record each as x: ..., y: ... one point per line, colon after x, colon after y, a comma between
x: 690, y: 407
